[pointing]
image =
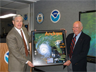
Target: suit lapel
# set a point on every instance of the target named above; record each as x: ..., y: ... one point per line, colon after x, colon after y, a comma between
x: 71, y: 38
x: 79, y: 40
x: 17, y: 34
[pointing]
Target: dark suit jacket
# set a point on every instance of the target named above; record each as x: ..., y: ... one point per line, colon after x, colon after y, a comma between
x: 17, y: 56
x: 79, y: 56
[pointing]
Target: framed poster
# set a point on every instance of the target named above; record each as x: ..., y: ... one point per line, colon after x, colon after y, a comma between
x: 48, y: 47
x: 88, y: 19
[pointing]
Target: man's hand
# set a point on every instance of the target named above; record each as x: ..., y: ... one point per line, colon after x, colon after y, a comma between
x: 30, y: 64
x: 67, y: 63
x: 63, y: 29
x: 35, y: 30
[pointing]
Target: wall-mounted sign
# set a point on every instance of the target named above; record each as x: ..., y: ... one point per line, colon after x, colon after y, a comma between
x: 55, y: 16
x: 40, y: 18
x: 25, y: 16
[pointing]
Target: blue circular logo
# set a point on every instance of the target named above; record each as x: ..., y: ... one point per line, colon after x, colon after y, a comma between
x: 55, y: 16
x: 25, y: 17
x: 6, y: 57
x: 40, y: 18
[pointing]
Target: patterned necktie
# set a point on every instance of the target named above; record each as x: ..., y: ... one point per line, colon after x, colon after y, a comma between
x: 72, y: 46
x: 26, y: 51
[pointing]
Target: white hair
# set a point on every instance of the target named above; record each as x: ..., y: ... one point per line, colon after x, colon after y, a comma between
x: 17, y: 15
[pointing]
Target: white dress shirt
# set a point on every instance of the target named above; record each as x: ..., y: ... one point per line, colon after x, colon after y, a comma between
x: 18, y: 30
x: 77, y: 37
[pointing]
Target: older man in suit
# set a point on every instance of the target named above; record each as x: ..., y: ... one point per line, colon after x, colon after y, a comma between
x: 17, y: 39
x: 78, y: 44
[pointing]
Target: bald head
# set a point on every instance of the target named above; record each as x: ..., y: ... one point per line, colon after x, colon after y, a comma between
x: 79, y: 23
x: 77, y: 27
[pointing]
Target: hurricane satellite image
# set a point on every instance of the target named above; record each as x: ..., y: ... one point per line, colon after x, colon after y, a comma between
x: 49, y: 48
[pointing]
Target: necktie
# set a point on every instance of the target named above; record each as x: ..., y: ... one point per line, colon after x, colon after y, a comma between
x: 26, y: 51
x: 72, y: 45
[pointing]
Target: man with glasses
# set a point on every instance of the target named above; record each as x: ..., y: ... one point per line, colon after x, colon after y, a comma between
x: 78, y: 44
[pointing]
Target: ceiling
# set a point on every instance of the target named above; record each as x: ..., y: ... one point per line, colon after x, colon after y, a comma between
x: 11, y: 6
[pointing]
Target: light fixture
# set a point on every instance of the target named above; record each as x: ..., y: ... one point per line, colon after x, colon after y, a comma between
x: 7, y: 15
x: 32, y: 0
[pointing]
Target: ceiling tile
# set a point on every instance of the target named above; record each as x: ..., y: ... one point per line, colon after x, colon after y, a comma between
x: 3, y: 3
x: 15, y: 5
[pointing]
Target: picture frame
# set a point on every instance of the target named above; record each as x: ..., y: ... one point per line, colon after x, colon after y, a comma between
x: 48, y: 47
x: 88, y: 20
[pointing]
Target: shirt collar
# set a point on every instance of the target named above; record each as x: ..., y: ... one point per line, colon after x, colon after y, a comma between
x: 18, y: 29
x: 78, y: 34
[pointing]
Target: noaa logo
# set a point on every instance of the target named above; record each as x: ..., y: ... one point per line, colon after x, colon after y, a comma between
x: 6, y: 57
x: 55, y: 16
x: 40, y: 18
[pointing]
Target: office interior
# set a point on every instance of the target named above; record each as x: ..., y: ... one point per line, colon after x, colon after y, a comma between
x: 69, y: 10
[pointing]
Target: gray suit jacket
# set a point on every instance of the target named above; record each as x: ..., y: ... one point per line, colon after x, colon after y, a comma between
x: 17, y: 57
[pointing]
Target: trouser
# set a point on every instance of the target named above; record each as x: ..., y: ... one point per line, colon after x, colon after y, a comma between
x: 70, y: 67
x: 26, y: 68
